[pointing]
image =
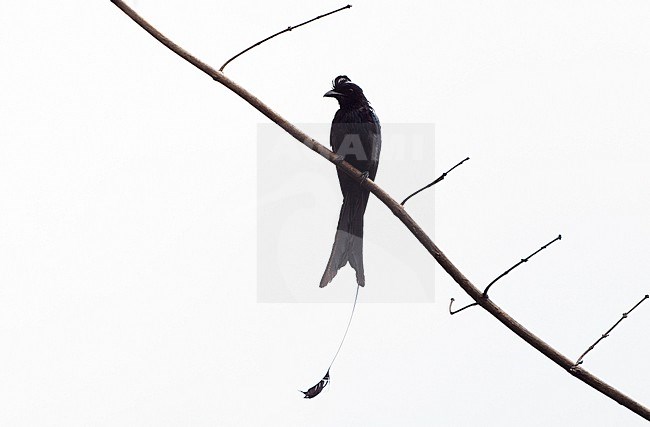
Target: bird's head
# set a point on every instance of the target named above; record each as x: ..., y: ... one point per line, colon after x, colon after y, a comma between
x: 346, y: 92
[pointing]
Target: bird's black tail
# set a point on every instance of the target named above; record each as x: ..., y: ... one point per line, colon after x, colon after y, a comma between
x: 348, y: 242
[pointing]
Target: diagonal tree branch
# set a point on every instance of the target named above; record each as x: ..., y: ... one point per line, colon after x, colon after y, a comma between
x: 487, y: 304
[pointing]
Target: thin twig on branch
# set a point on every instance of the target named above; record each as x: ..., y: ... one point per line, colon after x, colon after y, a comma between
x: 606, y: 334
x: 437, y: 180
x: 290, y: 28
x: 485, y: 291
x: 487, y: 288
x: 397, y: 209
x: 452, y: 312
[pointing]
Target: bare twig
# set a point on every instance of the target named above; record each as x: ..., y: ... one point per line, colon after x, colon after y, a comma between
x: 440, y: 178
x: 532, y: 339
x: 606, y: 334
x: 290, y: 28
x: 460, y: 309
x: 485, y: 292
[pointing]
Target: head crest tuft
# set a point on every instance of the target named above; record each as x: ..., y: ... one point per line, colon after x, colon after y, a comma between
x: 340, y: 80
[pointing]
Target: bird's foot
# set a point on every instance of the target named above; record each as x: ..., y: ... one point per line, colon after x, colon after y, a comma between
x: 363, y: 178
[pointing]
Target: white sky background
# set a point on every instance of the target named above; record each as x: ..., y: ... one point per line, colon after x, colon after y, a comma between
x: 128, y: 210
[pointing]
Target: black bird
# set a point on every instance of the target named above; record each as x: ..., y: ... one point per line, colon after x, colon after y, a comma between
x: 356, y: 136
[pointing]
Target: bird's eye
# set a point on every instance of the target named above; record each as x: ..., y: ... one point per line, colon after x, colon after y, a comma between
x: 350, y: 90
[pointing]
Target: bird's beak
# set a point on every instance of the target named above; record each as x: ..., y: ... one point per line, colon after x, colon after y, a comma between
x: 333, y: 94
